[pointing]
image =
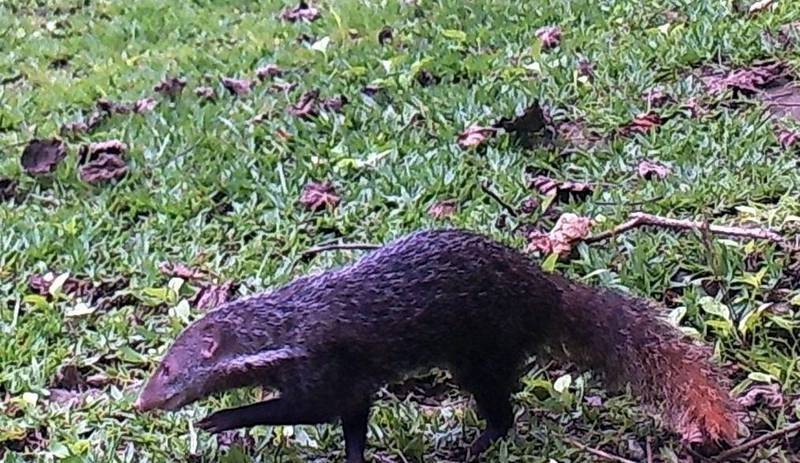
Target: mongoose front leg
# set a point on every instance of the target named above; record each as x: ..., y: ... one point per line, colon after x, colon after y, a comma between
x: 277, y: 412
x: 354, y: 426
x: 492, y: 393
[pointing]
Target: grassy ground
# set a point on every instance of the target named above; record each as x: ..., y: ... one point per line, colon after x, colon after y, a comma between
x: 208, y: 188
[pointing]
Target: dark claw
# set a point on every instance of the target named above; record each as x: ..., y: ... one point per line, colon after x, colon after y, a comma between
x: 214, y: 423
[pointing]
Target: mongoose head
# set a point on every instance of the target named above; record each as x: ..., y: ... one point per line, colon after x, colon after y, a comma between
x: 210, y: 356
x: 188, y: 371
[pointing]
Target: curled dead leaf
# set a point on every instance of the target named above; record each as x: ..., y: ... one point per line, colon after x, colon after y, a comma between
x: 767, y: 394
x: 179, y: 270
x: 317, y: 196
x: 550, y: 36
x: 641, y: 124
x: 568, y: 231
x: 206, y: 93
x: 652, y: 169
x: 238, y: 87
x: 335, y: 104
x: 531, y: 120
x: 748, y: 80
x: 443, y: 209
x: 307, y: 106
x: 8, y: 189
x: 302, y: 12
x: 42, y: 156
x: 474, y: 136
x: 268, y: 71
x: 562, y: 190
x: 101, y: 162
x: 788, y: 138
x: 170, y: 86
x: 385, y: 35
x: 211, y: 295
x: 144, y: 105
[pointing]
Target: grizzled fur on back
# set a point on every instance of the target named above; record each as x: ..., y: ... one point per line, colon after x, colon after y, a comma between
x: 445, y: 298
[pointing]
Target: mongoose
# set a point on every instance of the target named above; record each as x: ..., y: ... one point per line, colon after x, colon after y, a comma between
x: 446, y: 298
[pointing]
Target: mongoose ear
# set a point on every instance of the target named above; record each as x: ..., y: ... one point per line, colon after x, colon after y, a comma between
x: 210, y: 346
x: 248, y: 363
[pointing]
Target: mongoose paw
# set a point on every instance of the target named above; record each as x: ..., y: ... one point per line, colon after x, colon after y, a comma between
x: 216, y: 423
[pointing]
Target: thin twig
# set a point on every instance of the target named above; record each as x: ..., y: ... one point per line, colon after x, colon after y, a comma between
x: 640, y: 219
x: 599, y: 453
x: 313, y: 251
x: 794, y: 427
x: 486, y: 187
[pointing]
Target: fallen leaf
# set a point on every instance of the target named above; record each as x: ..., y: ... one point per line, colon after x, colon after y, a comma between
x: 101, y: 162
x: 284, y: 87
x: 760, y: 6
x: 206, y: 93
x: 594, y: 401
x: 652, y: 169
x: 178, y: 270
x: 788, y: 138
x: 385, y: 35
x: 577, y: 134
x: 568, y: 230
x: 585, y: 68
x: 42, y: 156
x: 43, y: 284
x: 170, y: 86
x: 426, y: 78
x: 144, y: 105
x: 104, y: 168
x: 531, y: 121
x: 238, y: 87
x: 307, y: 106
x: 748, y: 80
x: 268, y: 72
x: 8, y: 189
x: 443, y: 209
x: 317, y: 196
x: 302, y: 12
x: 769, y: 395
x: 641, y: 124
x: 474, y: 136
x: 89, y: 152
x: 529, y: 205
x: 657, y: 97
x: 336, y: 103
x: 69, y: 377
x: 550, y: 36
x: 783, y: 100
x: 211, y: 295
x: 562, y: 190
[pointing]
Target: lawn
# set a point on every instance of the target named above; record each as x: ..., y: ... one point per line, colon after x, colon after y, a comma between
x: 99, y: 271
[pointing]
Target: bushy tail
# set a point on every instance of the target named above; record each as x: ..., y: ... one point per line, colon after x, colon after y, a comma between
x: 625, y: 339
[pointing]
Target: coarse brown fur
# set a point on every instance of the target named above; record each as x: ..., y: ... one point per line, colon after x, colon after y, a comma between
x: 444, y: 298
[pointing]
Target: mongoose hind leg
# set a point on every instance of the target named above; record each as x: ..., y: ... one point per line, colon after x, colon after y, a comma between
x: 492, y: 392
x: 354, y: 425
x: 282, y: 411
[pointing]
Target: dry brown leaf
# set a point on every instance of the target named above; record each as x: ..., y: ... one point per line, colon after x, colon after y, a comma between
x: 268, y: 72
x: 550, y: 36
x: 178, y: 270
x: 101, y: 162
x: 652, y: 169
x: 211, y: 295
x: 318, y: 196
x: 42, y: 156
x: 302, y: 12
x: 474, y: 136
x: 562, y: 190
x: 767, y: 394
x: 8, y: 189
x: 568, y: 230
x: 789, y: 138
x: 170, y: 86
x: 748, y: 80
x: 307, y: 107
x: 641, y: 124
x: 238, y: 87
x: 206, y: 93
x: 443, y: 209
